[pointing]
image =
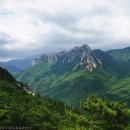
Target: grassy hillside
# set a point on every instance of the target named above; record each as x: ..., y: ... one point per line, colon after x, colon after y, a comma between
x: 121, y: 54
x: 121, y: 90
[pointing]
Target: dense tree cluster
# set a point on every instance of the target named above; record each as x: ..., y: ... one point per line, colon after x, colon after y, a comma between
x: 101, y: 114
x: 19, y: 108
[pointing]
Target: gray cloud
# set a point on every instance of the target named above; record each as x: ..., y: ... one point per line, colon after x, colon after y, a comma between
x: 5, y: 39
x: 35, y: 26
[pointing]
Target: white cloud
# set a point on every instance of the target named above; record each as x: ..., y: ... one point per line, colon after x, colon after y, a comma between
x: 43, y: 25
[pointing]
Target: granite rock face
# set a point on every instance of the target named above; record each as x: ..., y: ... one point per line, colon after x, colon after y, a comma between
x: 83, y: 55
x: 89, y: 60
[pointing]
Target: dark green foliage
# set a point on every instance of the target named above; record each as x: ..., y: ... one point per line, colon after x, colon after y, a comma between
x: 17, y: 108
x: 110, y: 114
x: 101, y: 114
x: 5, y: 75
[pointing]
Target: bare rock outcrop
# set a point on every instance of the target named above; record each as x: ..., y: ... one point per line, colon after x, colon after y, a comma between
x: 82, y: 54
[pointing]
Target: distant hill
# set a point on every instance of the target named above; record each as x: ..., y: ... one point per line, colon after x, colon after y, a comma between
x: 15, y: 66
x: 70, y: 75
x: 121, y: 54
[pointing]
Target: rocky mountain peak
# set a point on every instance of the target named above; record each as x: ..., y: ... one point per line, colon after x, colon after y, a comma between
x: 87, y: 58
x: 83, y: 55
x: 85, y: 47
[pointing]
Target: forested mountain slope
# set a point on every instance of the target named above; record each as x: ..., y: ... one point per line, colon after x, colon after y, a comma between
x: 69, y: 76
x: 21, y: 109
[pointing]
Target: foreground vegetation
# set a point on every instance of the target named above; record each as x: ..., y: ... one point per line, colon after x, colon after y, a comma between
x: 19, y: 108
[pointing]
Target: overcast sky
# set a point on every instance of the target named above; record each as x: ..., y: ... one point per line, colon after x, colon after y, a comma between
x: 29, y: 27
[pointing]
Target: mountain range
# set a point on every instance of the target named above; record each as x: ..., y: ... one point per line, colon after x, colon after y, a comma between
x: 16, y: 65
x: 70, y: 75
x: 22, y: 109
